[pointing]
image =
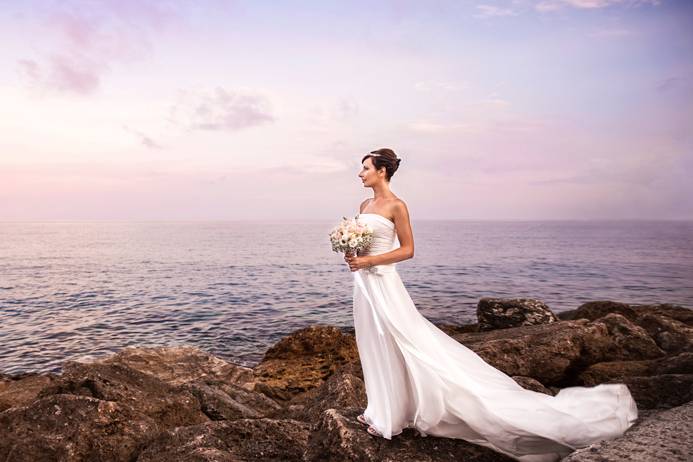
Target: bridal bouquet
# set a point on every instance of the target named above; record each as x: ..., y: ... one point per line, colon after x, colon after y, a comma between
x: 350, y: 236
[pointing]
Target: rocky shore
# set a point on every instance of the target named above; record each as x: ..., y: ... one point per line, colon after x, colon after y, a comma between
x: 300, y: 403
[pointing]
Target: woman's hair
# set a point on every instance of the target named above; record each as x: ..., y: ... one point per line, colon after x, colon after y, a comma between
x: 384, y: 157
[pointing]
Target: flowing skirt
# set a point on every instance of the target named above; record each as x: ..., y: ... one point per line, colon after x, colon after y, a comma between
x: 417, y: 376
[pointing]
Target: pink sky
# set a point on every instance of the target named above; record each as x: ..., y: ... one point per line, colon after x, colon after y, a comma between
x: 553, y: 109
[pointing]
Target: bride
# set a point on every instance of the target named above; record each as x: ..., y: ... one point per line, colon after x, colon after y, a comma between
x: 417, y: 376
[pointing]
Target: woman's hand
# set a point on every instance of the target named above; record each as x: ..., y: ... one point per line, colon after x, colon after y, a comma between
x: 357, y: 263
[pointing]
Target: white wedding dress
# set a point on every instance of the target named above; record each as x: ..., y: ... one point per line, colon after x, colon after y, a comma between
x: 417, y: 376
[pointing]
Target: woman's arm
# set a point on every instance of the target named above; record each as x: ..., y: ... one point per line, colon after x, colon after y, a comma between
x: 404, y: 235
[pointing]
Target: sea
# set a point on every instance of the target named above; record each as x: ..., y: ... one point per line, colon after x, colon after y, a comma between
x: 83, y: 290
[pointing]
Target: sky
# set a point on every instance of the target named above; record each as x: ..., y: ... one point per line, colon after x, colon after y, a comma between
x: 259, y: 110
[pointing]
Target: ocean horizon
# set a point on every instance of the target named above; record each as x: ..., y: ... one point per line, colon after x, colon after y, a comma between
x: 76, y: 289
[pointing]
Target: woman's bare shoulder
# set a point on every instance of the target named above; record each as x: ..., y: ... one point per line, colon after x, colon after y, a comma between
x: 399, y: 204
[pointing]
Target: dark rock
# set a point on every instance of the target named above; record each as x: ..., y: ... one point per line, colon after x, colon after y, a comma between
x: 73, y: 428
x: 661, y: 436
x: 454, y: 329
x: 614, y: 371
x: 224, y: 401
x: 554, y: 353
x: 597, y: 309
x: 628, y: 340
x: 681, y: 363
x: 340, y: 437
x: 303, y: 360
x: 671, y: 335
x: 22, y: 390
x: 502, y: 313
x: 659, y: 391
x: 342, y: 390
x: 232, y: 441
x: 532, y: 384
x: 168, y: 405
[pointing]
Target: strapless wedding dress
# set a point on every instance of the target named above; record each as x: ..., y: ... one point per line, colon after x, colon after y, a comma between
x: 417, y: 376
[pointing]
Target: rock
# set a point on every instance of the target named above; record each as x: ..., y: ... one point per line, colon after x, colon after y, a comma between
x: 671, y: 335
x: 501, y: 313
x: 532, y: 384
x: 168, y: 405
x: 453, y: 329
x: 340, y: 437
x: 181, y: 364
x: 303, y: 360
x: 627, y: 340
x: 232, y: 441
x: 555, y: 353
x: 613, y: 371
x: 73, y: 428
x: 342, y: 390
x: 617, y: 370
x: 597, y: 309
x: 22, y: 390
x: 659, y: 391
x: 662, y: 436
x: 678, y: 364
x: 224, y: 401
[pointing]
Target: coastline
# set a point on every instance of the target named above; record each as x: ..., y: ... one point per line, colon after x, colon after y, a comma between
x: 300, y: 402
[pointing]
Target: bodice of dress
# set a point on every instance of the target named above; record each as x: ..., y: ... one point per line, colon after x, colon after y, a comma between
x: 384, y: 240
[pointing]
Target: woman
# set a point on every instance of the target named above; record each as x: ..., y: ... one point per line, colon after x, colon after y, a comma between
x: 417, y: 376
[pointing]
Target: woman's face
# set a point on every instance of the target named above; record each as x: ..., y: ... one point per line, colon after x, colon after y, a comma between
x: 368, y: 173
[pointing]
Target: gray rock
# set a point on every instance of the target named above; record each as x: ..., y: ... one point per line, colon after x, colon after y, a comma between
x: 661, y: 436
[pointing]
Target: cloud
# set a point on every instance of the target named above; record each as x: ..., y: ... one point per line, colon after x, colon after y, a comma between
x: 63, y: 73
x: 346, y: 109
x: 554, y: 5
x: 146, y: 141
x: 221, y: 110
x: 490, y: 11
x: 86, y: 38
x: 669, y: 84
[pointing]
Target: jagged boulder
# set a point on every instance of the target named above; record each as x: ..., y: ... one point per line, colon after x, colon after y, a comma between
x: 235, y: 440
x: 532, y: 384
x: 181, y: 364
x: 554, y: 353
x: 169, y: 405
x: 225, y: 401
x: 73, y: 428
x: 303, y: 360
x: 22, y: 390
x: 338, y: 436
x: 597, y: 309
x: 502, y: 313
